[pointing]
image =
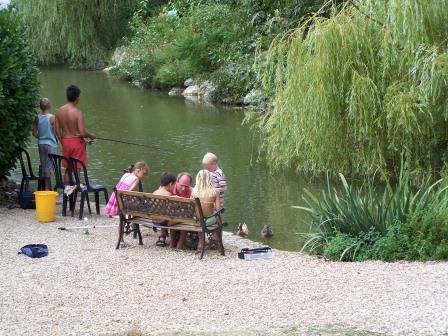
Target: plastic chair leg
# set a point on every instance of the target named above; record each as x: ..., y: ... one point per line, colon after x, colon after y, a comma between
x: 97, y: 202
x: 88, y: 203
x: 64, y: 204
x: 73, y: 197
x: 81, y: 206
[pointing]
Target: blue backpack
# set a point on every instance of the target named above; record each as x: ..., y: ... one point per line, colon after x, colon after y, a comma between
x: 34, y: 250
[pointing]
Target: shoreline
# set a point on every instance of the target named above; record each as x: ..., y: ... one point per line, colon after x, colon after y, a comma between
x: 86, y: 287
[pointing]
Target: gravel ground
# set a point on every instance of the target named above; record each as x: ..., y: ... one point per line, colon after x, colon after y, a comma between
x: 86, y: 287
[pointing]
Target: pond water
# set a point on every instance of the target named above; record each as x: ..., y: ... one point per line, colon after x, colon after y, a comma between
x: 183, y: 131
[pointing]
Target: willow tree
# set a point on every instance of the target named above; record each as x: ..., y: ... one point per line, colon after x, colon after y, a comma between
x: 360, y: 90
x: 81, y: 33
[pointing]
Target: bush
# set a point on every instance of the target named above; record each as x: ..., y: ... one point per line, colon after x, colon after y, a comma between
x: 343, y: 247
x: 405, y: 222
x: 19, y: 89
x: 211, y: 40
x: 165, y: 50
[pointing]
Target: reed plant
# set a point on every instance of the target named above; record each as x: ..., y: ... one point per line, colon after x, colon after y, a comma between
x: 362, y: 222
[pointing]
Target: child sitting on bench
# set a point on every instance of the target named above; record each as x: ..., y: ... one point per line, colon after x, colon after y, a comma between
x: 137, y: 172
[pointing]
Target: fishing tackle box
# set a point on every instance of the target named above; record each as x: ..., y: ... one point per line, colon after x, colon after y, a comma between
x: 256, y: 253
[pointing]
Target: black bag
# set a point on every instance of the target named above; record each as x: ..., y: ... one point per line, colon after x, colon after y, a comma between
x: 27, y: 200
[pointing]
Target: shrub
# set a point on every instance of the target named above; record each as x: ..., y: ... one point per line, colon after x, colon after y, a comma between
x: 343, y: 247
x: 209, y: 40
x: 19, y: 89
x: 165, y: 50
x: 358, y: 222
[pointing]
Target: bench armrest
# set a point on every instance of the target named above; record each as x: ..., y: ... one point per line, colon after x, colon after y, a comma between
x: 216, y: 213
x: 212, y: 219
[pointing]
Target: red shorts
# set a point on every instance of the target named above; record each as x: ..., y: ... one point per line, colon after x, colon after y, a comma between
x: 74, y: 147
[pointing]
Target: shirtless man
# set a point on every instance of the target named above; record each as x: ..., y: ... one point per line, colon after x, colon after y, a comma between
x: 69, y: 128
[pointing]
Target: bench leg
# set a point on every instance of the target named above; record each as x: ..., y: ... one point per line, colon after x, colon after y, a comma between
x: 120, y: 233
x: 140, y: 239
x: 203, y: 244
x: 221, y: 245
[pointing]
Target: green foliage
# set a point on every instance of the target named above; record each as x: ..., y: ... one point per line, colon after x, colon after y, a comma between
x: 19, y: 89
x: 165, y: 50
x: 81, y: 33
x: 360, y: 222
x: 343, y: 247
x: 208, y: 39
x: 358, y: 90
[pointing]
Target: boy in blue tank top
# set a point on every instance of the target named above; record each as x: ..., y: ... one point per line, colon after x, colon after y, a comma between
x: 43, y: 130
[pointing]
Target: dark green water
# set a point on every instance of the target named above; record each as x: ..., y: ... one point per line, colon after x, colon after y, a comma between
x: 185, y: 132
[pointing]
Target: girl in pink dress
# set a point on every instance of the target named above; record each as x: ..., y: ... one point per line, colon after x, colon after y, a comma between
x: 128, y: 181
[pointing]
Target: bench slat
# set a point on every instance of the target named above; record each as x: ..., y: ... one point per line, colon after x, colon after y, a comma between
x: 161, y: 218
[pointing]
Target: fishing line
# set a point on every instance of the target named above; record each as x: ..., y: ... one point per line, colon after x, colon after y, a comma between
x: 129, y: 143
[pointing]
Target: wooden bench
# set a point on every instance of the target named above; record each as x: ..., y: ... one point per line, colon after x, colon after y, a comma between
x: 147, y: 209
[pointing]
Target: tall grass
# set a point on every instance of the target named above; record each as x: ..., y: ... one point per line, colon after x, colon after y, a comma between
x: 347, y: 222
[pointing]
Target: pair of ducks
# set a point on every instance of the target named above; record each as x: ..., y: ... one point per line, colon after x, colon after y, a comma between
x: 243, y: 231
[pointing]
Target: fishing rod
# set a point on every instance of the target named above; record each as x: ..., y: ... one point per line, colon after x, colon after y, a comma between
x: 87, y: 227
x: 129, y: 143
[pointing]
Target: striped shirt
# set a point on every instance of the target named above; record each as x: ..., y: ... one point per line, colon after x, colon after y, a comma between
x: 219, y: 181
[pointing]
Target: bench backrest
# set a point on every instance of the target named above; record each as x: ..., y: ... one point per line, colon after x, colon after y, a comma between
x: 156, y: 207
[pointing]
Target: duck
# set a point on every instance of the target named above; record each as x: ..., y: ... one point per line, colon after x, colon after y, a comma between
x: 266, y: 231
x: 242, y: 230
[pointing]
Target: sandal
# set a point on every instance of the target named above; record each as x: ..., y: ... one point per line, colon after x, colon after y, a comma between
x: 161, y: 242
x: 213, y: 245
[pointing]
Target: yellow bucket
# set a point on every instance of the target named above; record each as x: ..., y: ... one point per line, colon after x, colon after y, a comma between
x: 46, y: 205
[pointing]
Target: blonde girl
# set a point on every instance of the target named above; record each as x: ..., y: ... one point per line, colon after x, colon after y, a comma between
x: 137, y: 172
x: 207, y: 194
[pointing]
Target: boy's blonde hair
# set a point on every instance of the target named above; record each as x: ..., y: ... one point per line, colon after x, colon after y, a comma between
x: 44, y: 103
x: 204, y: 185
x: 209, y: 158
